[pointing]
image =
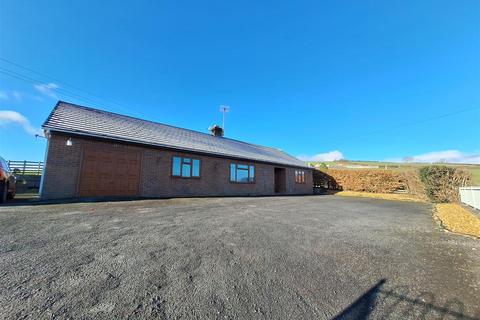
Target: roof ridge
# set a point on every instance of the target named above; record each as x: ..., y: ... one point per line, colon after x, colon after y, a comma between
x: 75, y: 118
x: 154, y: 122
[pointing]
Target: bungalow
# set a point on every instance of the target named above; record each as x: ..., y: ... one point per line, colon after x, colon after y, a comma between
x: 94, y: 153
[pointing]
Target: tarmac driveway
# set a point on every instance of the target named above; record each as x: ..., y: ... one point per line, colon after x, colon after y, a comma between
x: 315, y: 257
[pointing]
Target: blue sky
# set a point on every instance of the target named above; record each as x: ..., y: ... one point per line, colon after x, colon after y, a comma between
x: 371, y: 80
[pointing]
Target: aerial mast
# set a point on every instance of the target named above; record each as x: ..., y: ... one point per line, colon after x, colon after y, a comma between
x: 224, y: 109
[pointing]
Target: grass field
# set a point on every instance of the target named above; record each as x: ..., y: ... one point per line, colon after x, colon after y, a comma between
x: 473, y: 168
x: 476, y: 175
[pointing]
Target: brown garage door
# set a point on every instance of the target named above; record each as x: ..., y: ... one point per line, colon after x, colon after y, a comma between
x: 114, y: 172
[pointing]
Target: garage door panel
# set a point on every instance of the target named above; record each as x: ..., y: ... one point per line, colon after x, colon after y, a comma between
x: 109, y: 173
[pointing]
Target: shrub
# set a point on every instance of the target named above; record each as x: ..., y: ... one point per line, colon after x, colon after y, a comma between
x: 437, y: 183
x: 442, y: 182
x: 377, y: 181
x: 415, y: 185
x: 321, y: 179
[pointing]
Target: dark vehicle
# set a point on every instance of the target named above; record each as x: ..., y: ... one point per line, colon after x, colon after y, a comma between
x: 7, y: 182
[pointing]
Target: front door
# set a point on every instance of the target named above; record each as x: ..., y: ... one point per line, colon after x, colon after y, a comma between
x: 280, y: 180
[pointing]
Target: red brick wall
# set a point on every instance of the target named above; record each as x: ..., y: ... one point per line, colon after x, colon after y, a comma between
x: 61, y: 169
x: 63, y: 166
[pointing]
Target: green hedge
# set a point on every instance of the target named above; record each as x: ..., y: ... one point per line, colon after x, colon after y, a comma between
x: 442, y: 182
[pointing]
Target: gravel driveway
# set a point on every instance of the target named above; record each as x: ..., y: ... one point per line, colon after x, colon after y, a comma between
x: 315, y: 257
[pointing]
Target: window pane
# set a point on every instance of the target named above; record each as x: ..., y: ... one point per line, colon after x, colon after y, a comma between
x: 196, y: 168
x: 176, y: 166
x: 186, y: 160
x: 232, y: 172
x: 252, y: 173
x: 186, y: 170
x: 242, y: 166
x: 242, y: 175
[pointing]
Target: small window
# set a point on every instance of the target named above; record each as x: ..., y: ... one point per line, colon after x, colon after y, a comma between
x: 186, y: 170
x: 299, y: 176
x: 185, y: 167
x: 233, y: 172
x: 242, y: 173
x: 196, y: 168
x: 177, y: 162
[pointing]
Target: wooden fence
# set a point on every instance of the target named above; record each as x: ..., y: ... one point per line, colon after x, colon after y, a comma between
x: 26, y: 168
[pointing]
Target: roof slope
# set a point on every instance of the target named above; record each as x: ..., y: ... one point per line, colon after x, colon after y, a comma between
x: 75, y: 119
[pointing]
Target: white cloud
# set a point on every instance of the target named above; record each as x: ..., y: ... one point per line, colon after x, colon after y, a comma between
x: 47, y: 89
x: 447, y: 156
x: 8, y: 95
x: 327, y: 156
x: 8, y: 116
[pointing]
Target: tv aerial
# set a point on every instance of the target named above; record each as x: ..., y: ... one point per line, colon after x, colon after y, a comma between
x: 224, y: 109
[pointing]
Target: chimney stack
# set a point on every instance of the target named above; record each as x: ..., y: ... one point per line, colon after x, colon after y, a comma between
x: 216, y: 130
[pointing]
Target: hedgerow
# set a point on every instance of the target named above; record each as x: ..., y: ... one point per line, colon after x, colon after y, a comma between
x: 442, y: 182
x: 437, y: 183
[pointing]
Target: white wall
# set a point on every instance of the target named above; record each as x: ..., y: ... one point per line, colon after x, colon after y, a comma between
x: 471, y: 196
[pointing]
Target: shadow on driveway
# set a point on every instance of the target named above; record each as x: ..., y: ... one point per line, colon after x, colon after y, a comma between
x: 394, y: 303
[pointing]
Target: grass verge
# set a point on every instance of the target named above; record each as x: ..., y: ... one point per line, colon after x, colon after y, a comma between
x: 385, y: 196
x: 457, y: 219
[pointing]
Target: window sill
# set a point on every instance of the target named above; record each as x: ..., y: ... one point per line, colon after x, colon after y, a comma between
x: 186, y: 178
x: 236, y: 182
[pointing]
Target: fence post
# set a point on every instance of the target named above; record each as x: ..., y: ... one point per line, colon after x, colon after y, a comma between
x: 476, y: 203
x: 24, y: 165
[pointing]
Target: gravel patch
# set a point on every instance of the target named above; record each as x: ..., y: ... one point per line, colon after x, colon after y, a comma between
x: 315, y: 257
x: 458, y: 219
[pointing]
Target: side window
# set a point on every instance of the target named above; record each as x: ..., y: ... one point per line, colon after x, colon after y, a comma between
x: 176, y: 169
x: 299, y: 176
x: 195, y: 168
x: 185, y: 167
x: 242, y: 173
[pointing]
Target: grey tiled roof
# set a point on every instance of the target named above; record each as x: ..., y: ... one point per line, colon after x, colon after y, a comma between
x: 71, y: 118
